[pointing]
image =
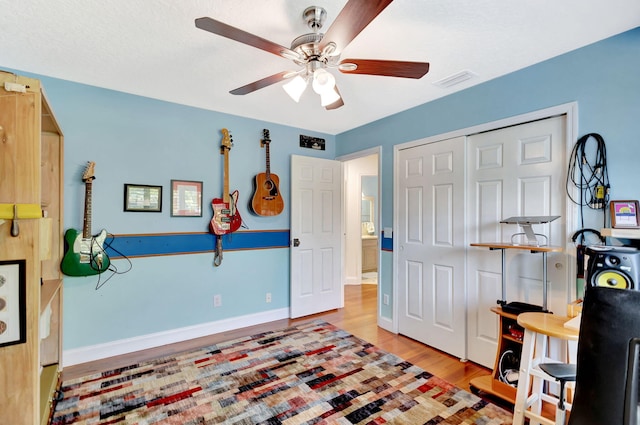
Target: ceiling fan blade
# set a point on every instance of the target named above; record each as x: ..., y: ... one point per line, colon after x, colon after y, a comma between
x: 338, y: 103
x: 233, y: 33
x: 260, y: 84
x: 386, y: 68
x: 351, y: 20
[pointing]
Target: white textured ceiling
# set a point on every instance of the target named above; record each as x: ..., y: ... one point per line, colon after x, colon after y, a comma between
x: 153, y: 49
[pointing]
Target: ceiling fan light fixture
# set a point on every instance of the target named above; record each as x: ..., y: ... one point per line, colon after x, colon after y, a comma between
x: 295, y: 87
x: 315, y: 52
x: 329, y: 97
x: 323, y: 81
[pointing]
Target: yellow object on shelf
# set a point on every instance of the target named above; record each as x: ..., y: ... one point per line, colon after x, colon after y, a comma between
x: 23, y: 210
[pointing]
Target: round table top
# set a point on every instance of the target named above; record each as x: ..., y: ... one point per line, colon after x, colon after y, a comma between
x: 548, y: 324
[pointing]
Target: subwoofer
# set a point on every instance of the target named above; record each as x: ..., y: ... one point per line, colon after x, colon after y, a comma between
x: 612, y: 267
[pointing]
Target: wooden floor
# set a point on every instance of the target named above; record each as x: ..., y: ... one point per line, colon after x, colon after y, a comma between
x: 358, y: 317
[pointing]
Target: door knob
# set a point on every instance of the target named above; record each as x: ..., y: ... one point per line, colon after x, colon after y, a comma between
x: 296, y: 242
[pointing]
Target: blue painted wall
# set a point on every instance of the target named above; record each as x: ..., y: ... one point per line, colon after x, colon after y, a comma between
x: 603, y: 78
x: 145, y: 141
x: 140, y: 140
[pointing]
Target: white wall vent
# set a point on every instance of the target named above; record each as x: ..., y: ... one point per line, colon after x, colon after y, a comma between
x: 454, y: 79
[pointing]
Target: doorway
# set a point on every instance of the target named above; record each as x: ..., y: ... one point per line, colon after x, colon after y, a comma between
x: 361, y: 252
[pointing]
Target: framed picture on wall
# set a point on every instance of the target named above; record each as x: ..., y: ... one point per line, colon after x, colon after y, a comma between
x: 624, y: 214
x: 142, y: 198
x: 186, y: 198
x: 13, y: 317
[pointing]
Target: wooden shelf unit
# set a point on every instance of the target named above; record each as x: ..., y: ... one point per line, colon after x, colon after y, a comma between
x: 492, y: 384
x: 31, y: 157
x: 621, y: 233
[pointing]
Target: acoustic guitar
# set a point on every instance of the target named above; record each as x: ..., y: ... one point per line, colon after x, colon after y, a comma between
x: 267, y: 200
x: 84, y: 254
x: 226, y: 217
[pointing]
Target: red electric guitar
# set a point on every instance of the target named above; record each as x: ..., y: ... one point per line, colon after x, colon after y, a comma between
x: 226, y: 218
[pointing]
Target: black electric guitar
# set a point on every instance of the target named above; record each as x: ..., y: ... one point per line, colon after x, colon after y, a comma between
x: 266, y: 199
x: 84, y: 254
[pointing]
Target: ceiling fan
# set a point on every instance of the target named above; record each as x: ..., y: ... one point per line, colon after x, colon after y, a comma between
x: 316, y: 52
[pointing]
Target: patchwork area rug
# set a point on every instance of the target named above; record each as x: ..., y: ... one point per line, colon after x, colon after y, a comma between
x: 313, y: 373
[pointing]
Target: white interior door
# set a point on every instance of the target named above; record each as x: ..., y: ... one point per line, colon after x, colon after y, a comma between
x: 431, y: 242
x: 316, y: 229
x: 515, y: 171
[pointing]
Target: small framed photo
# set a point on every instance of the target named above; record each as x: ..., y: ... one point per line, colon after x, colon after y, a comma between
x: 13, y: 316
x: 624, y: 214
x: 186, y: 198
x: 142, y: 198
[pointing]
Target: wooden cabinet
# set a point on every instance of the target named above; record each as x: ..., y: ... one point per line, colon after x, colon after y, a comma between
x: 31, y: 170
x: 369, y: 254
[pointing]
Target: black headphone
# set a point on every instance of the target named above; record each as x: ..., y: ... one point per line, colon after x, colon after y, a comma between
x: 582, y: 232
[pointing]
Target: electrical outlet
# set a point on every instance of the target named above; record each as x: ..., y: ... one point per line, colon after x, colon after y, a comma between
x: 268, y: 297
x: 217, y: 300
x: 385, y: 299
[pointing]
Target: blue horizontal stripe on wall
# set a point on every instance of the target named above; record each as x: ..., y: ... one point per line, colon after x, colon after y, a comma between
x: 190, y: 243
x: 387, y: 243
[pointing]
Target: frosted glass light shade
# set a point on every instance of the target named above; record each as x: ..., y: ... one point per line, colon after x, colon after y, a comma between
x: 323, y: 81
x: 328, y: 97
x: 295, y: 87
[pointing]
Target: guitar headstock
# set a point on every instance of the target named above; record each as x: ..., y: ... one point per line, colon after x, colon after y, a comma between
x: 227, y: 142
x: 265, y: 137
x: 88, y: 173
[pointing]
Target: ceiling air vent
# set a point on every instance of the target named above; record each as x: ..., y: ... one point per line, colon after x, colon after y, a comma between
x: 454, y: 79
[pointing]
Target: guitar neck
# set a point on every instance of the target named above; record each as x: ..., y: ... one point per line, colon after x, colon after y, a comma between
x: 225, y: 194
x: 86, y: 226
x: 268, y: 172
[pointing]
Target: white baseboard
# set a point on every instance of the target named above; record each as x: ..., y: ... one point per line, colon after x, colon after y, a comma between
x: 386, y: 323
x: 129, y: 345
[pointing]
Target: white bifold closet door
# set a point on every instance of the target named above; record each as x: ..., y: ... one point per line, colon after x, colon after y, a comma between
x: 431, y: 256
x: 455, y: 192
x: 514, y: 171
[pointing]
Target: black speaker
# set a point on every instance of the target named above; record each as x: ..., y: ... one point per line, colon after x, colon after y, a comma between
x: 612, y: 267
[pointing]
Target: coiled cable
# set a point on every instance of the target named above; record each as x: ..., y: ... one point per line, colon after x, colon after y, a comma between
x: 589, y: 175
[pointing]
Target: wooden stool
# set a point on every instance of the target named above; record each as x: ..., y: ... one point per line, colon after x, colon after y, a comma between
x: 538, y: 329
